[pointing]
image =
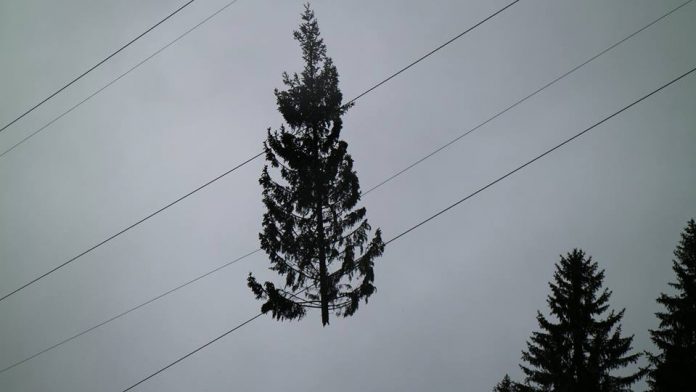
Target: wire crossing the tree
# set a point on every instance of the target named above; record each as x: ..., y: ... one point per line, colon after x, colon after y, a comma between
x: 434, y: 50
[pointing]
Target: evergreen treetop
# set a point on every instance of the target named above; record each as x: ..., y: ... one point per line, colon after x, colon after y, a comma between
x: 505, y: 385
x: 582, y: 348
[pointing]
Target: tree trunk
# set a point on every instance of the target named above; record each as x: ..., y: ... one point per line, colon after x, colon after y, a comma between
x: 323, y: 278
x: 323, y: 283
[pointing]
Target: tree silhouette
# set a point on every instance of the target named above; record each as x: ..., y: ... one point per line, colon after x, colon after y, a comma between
x: 312, y: 232
x: 505, y: 385
x: 674, y: 368
x: 578, y: 352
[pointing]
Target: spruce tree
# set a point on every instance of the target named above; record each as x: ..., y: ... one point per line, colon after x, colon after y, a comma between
x: 505, y: 385
x: 312, y: 232
x: 674, y: 368
x: 579, y: 350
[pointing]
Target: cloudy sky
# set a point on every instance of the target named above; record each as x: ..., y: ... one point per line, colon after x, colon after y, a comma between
x: 456, y: 298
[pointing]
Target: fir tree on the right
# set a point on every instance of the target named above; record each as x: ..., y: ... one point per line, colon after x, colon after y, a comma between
x: 674, y: 367
x: 580, y: 348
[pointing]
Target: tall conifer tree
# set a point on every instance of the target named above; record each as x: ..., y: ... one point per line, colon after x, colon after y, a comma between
x: 580, y: 350
x: 312, y: 232
x: 674, y: 368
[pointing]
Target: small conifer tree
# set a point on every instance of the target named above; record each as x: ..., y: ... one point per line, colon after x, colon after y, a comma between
x: 505, y: 385
x: 581, y: 349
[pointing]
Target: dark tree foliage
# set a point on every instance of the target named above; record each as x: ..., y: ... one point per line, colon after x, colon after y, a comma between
x: 505, y: 385
x: 674, y: 368
x: 581, y: 350
x: 312, y: 231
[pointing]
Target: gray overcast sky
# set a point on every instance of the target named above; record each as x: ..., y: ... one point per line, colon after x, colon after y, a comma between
x: 456, y: 299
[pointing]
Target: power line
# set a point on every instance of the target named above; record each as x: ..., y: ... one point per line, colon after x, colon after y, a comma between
x: 90, y: 329
x: 373, y: 188
x: 421, y: 223
x: 517, y: 103
x: 129, y: 227
x: 158, y: 51
x: 200, y: 348
x: 545, y: 153
x: 202, y: 186
x: 95, y: 66
x: 193, y: 352
x: 436, y: 49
